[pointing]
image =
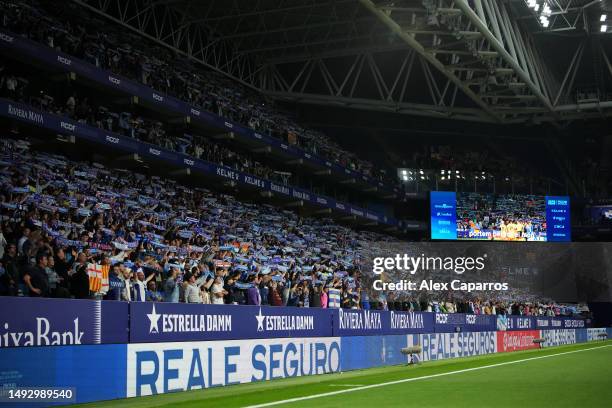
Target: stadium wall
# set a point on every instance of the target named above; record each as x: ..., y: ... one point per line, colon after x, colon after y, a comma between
x: 175, y: 347
x: 47, y: 322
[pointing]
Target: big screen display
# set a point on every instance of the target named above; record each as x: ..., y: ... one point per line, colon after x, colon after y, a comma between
x: 495, y: 217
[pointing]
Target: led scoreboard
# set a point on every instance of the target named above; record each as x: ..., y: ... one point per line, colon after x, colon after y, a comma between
x: 491, y: 217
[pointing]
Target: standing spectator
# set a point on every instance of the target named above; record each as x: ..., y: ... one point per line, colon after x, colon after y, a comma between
x: 273, y: 295
x: 365, y: 300
x: 293, y: 296
x: 23, y: 242
x: 333, y: 294
x: 70, y: 105
x: 61, y: 267
x: 192, y: 288
x: 205, y: 294
x: 79, y: 282
x: 218, y: 292
x: 324, y: 298
x: 171, y: 287
x: 36, y: 278
x: 152, y: 294
x: 230, y: 296
x: 263, y: 291
x: 139, y: 286
x: 253, y: 295
x: 126, y: 276
x: 11, y: 277
x: 81, y: 261
x: 11, y: 87
x: 116, y: 285
x: 315, y: 299
x: 349, y: 299
x: 55, y: 281
x: 305, y: 295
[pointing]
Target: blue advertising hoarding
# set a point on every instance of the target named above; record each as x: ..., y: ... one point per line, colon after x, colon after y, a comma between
x: 166, y: 322
x: 573, y: 323
x: 360, y: 352
x: 449, y: 322
x: 521, y: 323
x: 441, y: 346
x: 409, y: 322
x: 43, y: 322
x: 479, y: 322
x: 462, y: 322
x: 156, y: 368
x: 561, y: 337
x: 352, y: 322
x: 359, y: 322
x: 549, y: 323
x: 52, y: 322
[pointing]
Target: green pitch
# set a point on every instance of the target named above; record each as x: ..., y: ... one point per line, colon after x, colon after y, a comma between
x: 568, y: 376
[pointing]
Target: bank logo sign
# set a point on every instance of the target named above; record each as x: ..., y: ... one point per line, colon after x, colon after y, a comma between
x: 42, y: 335
x: 60, y: 322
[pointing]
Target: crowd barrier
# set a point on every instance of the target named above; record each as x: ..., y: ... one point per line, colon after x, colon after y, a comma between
x: 161, y: 348
x: 45, y: 322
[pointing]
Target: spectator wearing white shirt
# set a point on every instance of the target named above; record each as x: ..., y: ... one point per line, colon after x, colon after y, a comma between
x: 217, y: 291
x: 125, y: 275
x: 192, y: 288
x: 139, y: 286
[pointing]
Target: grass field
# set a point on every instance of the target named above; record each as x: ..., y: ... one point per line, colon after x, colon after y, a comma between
x: 568, y: 376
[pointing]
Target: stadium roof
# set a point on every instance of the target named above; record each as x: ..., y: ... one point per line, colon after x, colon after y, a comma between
x: 507, y: 61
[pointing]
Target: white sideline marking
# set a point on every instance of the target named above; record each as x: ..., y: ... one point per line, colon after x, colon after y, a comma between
x: 346, y: 385
x: 425, y: 377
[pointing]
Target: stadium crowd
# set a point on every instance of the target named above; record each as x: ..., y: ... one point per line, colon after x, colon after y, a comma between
x: 127, y: 54
x: 64, y: 222
x: 480, y: 304
x: 79, y: 105
x: 81, y: 230
x: 506, y: 217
